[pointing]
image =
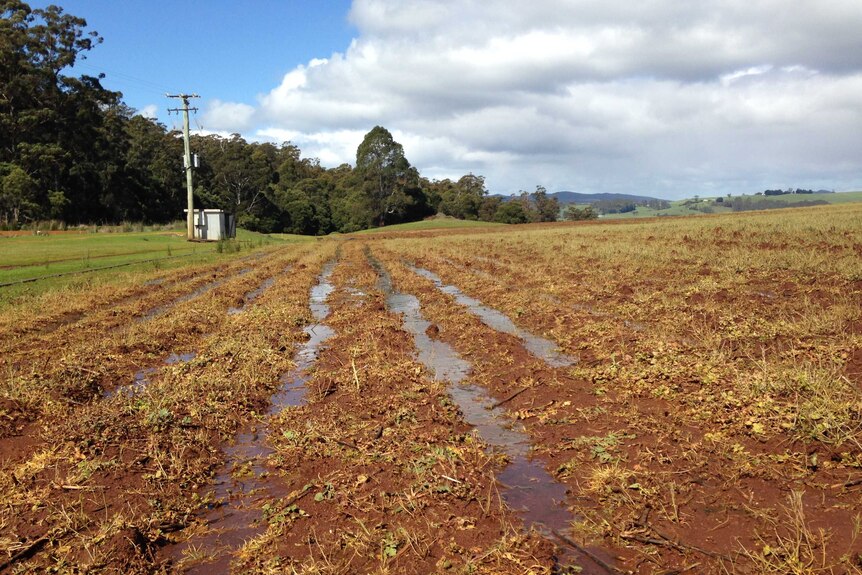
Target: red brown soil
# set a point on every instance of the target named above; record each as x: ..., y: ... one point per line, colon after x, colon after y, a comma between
x: 668, y: 469
x: 362, y: 449
x: 730, y: 513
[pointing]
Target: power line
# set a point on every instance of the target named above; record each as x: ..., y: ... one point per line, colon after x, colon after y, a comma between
x: 147, y: 85
x: 187, y: 159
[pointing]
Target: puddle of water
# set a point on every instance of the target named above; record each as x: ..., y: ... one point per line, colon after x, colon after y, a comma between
x: 252, y: 295
x: 356, y: 292
x: 157, y: 311
x: 176, y: 358
x: 528, y: 488
x: 542, y: 348
x: 243, y: 480
x: 293, y: 390
x: 235, y: 518
x: 439, y: 357
x: 321, y: 291
x: 142, y: 377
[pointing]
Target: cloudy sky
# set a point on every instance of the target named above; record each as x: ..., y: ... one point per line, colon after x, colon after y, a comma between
x: 658, y: 97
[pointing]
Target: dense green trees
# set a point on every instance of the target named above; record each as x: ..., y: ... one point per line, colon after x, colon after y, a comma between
x: 71, y: 150
x: 547, y: 209
x: 462, y: 199
x: 390, y: 185
x: 17, y: 193
x: 576, y: 213
x: 55, y: 129
x: 528, y: 208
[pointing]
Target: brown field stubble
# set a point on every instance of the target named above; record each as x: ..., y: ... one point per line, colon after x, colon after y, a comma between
x: 715, y: 417
x: 713, y: 422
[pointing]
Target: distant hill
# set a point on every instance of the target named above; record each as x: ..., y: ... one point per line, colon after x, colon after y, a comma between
x: 728, y: 204
x: 577, y: 198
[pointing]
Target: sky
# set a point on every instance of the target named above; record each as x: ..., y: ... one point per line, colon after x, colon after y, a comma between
x: 663, y: 98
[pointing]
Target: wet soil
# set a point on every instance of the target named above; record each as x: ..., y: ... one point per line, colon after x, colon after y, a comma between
x: 244, y: 480
x: 540, y: 347
x: 374, y: 477
x: 641, y: 455
x: 49, y: 436
x: 710, y: 426
x: 528, y: 488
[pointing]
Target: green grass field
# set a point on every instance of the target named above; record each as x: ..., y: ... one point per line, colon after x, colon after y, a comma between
x: 437, y: 223
x: 291, y: 237
x: 74, y: 257
x: 686, y: 207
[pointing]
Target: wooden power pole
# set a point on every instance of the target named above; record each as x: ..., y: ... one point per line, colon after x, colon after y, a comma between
x: 187, y: 160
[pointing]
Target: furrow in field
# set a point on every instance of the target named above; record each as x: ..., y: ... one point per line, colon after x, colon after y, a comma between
x: 115, y: 313
x: 682, y: 292
x: 54, y: 310
x: 137, y: 310
x: 540, y: 347
x: 142, y: 377
x: 118, y: 477
x: 380, y: 471
x: 811, y: 342
x: 244, y: 479
x: 249, y: 297
x: 528, y: 488
x: 661, y: 434
x: 557, y: 409
x: 549, y: 299
x: 48, y: 386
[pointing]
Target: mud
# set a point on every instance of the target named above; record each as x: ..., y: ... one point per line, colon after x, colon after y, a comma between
x: 528, y: 488
x: 251, y: 296
x: 733, y: 451
x: 162, y: 309
x: 141, y: 378
x: 540, y: 347
x: 244, y: 481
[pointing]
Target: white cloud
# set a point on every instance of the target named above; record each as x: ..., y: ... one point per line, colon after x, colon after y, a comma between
x: 149, y: 111
x: 226, y: 134
x: 227, y: 116
x: 332, y: 148
x: 656, y: 97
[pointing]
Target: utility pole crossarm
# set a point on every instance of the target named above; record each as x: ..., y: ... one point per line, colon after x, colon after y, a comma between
x: 187, y: 163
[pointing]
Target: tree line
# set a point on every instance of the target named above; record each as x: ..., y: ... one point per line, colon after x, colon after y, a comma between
x: 71, y: 150
x: 786, y: 192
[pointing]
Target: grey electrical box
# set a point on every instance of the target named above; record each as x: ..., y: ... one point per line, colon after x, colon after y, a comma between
x: 212, y: 225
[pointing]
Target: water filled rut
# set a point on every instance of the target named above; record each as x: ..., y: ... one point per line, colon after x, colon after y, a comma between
x: 243, y: 480
x: 157, y: 311
x: 528, y: 488
x: 540, y: 347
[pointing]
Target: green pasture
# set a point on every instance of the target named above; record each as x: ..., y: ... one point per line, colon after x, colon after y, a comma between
x: 76, y: 258
x: 292, y: 237
x: 436, y: 223
x: 686, y: 207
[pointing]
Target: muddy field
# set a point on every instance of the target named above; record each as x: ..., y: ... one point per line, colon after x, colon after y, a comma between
x: 675, y: 396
